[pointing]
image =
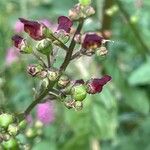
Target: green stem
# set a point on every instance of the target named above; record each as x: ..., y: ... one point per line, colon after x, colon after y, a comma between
x: 48, y: 61
x: 71, y: 48
x: 62, y: 68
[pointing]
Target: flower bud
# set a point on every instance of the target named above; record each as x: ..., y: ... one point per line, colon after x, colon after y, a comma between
x: 63, y: 81
x: 13, y: 129
x: 70, y: 104
x: 31, y: 133
x: 44, y: 46
x: 23, y: 124
x: 52, y: 74
x: 78, y: 105
x: 85, y: 2
x: 21, y: 44
x: 38, y: 124
x: 34, y: 69
x: 44, y: 83
x: 11, y: 144
x: 5, y: 120
x: 78, y: 92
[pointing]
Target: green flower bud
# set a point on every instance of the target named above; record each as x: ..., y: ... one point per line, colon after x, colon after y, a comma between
x: 78, y: 105
x: 44, y: 46
x: 31, y: 133
x: 38, y: 124
x: 63, y: 81
x: 85, y: 2
x: 52, y: 74
x: 78, y: 92
x: 5, y: 120
x: 11, y: 144
x: 102, y: 51
x: 13, y: 129
x: 23, y: 124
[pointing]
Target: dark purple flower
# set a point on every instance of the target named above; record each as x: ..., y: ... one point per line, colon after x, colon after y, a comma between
x: 34, y: 29
x: 64, y: 23
x: 92, y: 41
x: 96, y: 85
x: 18, y: 41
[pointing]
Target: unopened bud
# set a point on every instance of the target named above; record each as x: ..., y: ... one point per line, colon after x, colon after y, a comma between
x: 34, y: 69
x: 63, y: 81
x: 38, y: 124
x: 70, y: 104
x: 5, y: 120
x: 44, y: 46
x: 78, y: 105
x: 23, y: 124
x: 52, y: 74
x: 31, y: 133
x: 13, y: 129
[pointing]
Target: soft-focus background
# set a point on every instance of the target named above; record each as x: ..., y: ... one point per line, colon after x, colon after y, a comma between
x: 116, y: 119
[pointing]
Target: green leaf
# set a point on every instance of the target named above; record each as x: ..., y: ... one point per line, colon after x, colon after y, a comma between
x: 138, y: 100
x: 141, y: 76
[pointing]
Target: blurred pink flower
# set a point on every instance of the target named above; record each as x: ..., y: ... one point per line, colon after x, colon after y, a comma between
x: 11, y: 55
x: 29, y: 119
x: 19, y: 27
x: 49, y: 24
x: 45, y: 112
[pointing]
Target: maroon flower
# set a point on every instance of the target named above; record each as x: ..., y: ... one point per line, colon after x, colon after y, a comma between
x: 34, y: 29
x: 92, y: 41
x: 64, y: 23
x: 96, y: 85
x: 18, y: 41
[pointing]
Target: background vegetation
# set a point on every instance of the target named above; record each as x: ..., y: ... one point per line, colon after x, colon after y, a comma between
x: 116, y: 119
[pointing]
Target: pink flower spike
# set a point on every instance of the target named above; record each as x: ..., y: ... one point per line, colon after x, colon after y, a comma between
x: 45, y: 112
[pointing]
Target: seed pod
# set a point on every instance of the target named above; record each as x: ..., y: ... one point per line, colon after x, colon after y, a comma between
x: 11, y: 144
x: 85, y: 2
x: 5, y: 120
x: 78, y: 92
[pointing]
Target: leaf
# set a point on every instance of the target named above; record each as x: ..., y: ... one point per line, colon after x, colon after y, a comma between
x: 137, y: 100
x: 140, y: 76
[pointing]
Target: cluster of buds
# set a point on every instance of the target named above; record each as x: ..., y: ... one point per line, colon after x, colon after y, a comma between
x: 9, y: 129
x: 54, y: 83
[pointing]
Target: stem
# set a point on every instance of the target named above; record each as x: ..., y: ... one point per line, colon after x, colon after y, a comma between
x: 134, y: 29
x: 76, y: 55
x: 48, y: 61
x: 71, y: 48
x: 62, y: 68
x: 62, y: 45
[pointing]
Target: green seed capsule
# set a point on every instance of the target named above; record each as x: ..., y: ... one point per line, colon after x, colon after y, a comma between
x: 5, y: 120
x: 85, y: 2
x: 78, y: 92
x: 11, y: 144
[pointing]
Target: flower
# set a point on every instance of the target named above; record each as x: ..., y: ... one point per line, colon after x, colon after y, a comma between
x: 49, y: 24
x: 92, y: 41
x: 34, y: 29
x: 64, y: 23
x: 45, y: 112
x: 96, y: 85
x: 11, y: 55
x: 19, y: 27
x: 19, y: 42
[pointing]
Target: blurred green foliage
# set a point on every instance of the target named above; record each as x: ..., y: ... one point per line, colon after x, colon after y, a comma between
x: 116, y: 119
